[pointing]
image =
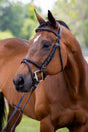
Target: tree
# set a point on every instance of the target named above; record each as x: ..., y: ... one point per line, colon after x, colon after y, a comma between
x: 74, y: 13
x: 28, y: 29
x: 18, y: 18
x: 85, y: 24
x: 12, y: 18
x: 6, y: 34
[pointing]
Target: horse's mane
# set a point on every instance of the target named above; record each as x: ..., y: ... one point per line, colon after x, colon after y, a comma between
x: 63, y: 24
x: 59, y: 21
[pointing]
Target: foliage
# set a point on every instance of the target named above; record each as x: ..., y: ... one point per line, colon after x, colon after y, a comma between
x: 18, y: 18
x: 74, y: 13
x: 86, y: 32
x: 28, y: 29
x: 31, y: 10
x: 6, y: 34
x: 12, y: 18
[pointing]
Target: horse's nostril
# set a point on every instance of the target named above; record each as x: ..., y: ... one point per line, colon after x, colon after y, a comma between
x: 19, y: 83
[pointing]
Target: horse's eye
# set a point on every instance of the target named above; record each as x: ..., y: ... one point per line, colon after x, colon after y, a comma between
x: 46, y: 44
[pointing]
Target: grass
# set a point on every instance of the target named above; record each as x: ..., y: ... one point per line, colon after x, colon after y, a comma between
x: 86, y: 58
x: 30, y: 125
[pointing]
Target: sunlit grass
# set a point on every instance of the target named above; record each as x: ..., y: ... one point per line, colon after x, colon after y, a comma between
x: 30, y: 125
x: 86, y: 58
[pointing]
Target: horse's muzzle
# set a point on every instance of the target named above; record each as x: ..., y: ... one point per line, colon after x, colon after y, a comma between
x: 22, y: 84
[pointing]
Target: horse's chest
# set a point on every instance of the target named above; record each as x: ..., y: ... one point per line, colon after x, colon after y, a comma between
x: 41, y: 104
x: 61, y: 116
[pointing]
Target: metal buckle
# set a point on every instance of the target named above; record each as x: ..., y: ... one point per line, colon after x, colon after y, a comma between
x: 36, y: 75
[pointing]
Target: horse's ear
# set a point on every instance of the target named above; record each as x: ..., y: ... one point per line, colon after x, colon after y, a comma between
x: 39, y: 18
x: 52, y: 19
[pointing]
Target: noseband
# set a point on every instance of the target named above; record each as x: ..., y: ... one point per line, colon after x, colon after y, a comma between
x: 47, y: 61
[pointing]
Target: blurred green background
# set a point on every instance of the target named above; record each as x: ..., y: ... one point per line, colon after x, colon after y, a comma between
x: 17, y: 19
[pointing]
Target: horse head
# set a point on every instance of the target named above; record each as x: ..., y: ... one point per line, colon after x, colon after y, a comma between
x: 47, y: 54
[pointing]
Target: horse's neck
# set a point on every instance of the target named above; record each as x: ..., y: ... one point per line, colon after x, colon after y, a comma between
x: 75, y: 72
x: 75, y: 75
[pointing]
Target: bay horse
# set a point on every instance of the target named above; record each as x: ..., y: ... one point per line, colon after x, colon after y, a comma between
x: 12, y: 52
x: 55, y: 51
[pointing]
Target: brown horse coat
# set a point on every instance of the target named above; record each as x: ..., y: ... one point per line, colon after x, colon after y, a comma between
x: 12, y: 52
x: 66, y: 103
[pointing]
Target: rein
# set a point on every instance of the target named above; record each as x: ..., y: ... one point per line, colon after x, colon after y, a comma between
x: 18, y: 107
x: 42, y: 67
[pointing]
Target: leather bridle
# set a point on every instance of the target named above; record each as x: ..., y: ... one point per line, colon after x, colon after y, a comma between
x: 42, y: 67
